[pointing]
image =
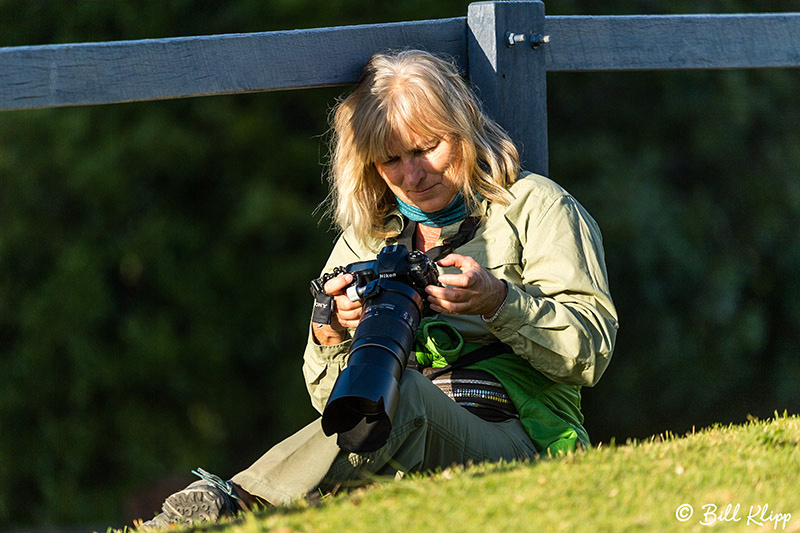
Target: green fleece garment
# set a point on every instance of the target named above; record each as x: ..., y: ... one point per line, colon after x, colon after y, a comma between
x: 550, y: 412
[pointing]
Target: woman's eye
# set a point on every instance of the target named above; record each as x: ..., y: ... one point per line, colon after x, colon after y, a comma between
x: 391, y: 160
x: 429, y: 148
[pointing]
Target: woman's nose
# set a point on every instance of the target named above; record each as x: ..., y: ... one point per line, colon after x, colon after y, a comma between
x: 412, y: 169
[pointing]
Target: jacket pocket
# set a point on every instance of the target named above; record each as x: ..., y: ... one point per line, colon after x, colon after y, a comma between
x: 502, y: 258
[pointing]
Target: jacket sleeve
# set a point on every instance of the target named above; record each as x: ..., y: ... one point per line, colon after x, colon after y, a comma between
x: 321, y: 367
x: 323, y: 364
x: 561, y: 318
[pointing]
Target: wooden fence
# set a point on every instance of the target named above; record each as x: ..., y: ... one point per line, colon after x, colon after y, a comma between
x: 506, y: 49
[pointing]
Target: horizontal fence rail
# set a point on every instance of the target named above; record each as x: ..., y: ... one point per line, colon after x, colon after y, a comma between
x: 662, y: 42
x: 154, y: 69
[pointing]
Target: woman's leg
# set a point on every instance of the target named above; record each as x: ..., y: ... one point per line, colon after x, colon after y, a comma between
x: 429, y: 431
x: 292, y: 468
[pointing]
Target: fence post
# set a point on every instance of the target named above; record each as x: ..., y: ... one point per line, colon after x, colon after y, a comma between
x: 505, y: 44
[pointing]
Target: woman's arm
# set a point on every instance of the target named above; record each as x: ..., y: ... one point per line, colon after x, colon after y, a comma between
x: 559, y: 316
x: 327, y: 347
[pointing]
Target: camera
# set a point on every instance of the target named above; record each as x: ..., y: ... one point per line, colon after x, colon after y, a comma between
x: 362, y: 404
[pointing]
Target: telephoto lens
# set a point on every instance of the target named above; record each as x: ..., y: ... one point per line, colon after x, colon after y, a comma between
x: 364, y: 398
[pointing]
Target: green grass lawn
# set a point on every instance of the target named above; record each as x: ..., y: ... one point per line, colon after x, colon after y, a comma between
x: 732, y: 478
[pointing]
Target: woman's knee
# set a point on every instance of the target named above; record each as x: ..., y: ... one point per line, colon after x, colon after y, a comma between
x: 412, y: 381
x: 419, y: 397
x: 415, y: 392
x: 416, y: 388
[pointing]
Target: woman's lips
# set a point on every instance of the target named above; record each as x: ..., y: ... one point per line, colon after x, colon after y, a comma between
x: 422, y: 191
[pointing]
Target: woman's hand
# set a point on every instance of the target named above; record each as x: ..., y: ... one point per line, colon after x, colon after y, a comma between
x: 346, y: 314
x: 473, y: 292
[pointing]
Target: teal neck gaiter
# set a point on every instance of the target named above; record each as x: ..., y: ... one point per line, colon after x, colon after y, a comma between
x: 455, y: 212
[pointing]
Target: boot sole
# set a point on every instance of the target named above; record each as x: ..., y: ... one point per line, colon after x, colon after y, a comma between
x: 190, y: 506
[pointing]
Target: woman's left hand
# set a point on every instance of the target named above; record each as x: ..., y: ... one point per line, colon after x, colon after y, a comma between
x: 475, y: 291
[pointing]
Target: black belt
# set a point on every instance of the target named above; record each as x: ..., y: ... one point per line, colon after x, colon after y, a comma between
x: 475, y: 390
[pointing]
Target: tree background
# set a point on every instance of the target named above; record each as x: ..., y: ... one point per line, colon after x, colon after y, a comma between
x: 155, y: 257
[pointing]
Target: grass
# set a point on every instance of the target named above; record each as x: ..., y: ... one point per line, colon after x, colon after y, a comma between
x: 735, y: 478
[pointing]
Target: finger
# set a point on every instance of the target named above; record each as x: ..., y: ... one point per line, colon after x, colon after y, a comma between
x: 437, y: 308
x: 470, y: 271
x: 337, y: 285
x: 349, y: 319
x: 439, y: 305
x: 344, y: 303
x: 350, y: 324
x: 348, y: 313
x: 352, y: 313
x: 457, y: 280
x: 458, y: 261
x: 446, y: 294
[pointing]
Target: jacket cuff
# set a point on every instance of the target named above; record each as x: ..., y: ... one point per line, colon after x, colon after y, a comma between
x: 511, y: 317
x: 327, y: 352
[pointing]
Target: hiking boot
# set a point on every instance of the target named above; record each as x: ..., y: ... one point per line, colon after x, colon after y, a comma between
x: 205, y: 500
x: 160, y: 521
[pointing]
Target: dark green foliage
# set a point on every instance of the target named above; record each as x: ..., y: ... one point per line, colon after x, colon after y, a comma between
x: 155, y: 257
x: 693, y: 178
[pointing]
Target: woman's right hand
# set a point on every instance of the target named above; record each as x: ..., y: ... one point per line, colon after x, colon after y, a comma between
x: 346, y: 314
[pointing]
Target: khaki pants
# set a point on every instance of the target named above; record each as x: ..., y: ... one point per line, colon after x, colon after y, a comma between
x: 429, y: 431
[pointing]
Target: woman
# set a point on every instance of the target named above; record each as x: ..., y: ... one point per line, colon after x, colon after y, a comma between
x: 413, y: 157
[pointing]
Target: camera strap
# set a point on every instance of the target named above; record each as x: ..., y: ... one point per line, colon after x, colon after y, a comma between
x: 465, y: 234
x: 479, y: 354
x: 323, y: 303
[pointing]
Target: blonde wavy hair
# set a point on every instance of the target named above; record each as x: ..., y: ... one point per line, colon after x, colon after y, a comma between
x: 417, y: 92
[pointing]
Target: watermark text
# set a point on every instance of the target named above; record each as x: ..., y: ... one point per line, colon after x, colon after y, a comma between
x: 756, y: 515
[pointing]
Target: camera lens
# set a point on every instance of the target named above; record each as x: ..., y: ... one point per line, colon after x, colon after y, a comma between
x: 364, y: 399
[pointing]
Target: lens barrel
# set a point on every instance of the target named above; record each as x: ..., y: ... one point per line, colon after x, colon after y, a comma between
x: 364, y: 399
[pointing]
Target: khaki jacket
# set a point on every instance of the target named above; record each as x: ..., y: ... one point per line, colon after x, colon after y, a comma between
x: 558, y: 316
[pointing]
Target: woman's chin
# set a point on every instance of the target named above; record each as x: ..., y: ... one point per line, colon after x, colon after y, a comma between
x: 431, y: 205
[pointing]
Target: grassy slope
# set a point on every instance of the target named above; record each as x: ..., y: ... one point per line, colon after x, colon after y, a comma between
x: 637, y: 486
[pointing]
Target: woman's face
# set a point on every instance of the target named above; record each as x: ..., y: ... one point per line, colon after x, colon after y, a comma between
x: 420, y: 171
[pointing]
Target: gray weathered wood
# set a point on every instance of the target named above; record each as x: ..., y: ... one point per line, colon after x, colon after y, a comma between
x: 151, y: 69
x: 649, y: 42
x: 510, y: 80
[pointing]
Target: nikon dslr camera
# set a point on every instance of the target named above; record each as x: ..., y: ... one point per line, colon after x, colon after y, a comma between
x: 364, y: 398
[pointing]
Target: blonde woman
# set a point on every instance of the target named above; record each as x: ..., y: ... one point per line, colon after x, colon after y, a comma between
x: 413, y: 157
